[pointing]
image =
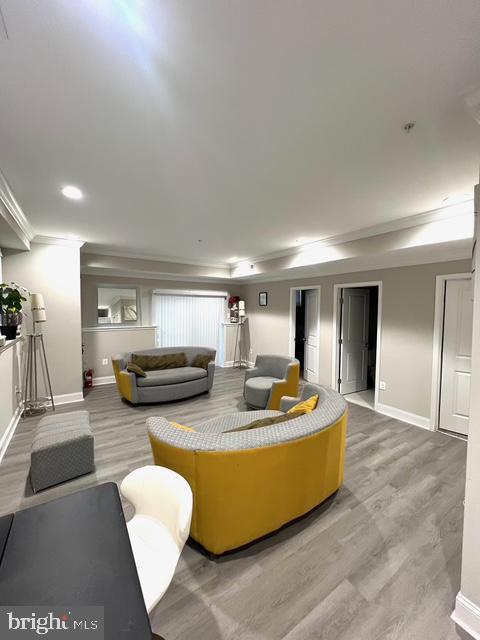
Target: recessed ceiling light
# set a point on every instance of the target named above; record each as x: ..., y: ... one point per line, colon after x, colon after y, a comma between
x: 71, y: 192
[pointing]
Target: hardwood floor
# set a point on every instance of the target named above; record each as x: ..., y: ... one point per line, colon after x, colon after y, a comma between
x: 379, y: 561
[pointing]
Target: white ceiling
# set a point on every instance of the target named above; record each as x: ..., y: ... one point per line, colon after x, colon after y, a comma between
x: 247, y: 124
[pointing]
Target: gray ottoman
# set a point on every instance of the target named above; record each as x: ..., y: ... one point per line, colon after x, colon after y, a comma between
x: 62, y: 449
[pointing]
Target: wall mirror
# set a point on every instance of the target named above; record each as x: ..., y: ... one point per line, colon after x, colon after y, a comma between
x: 117, y: 305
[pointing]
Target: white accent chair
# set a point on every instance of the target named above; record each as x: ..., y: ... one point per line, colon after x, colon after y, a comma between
x: 160, y: 527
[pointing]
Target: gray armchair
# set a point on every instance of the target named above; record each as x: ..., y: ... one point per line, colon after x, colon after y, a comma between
x: 271, y: 378
x: 309, y: 390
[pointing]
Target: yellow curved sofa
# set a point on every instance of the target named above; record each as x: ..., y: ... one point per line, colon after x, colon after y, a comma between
x: 250, y: 483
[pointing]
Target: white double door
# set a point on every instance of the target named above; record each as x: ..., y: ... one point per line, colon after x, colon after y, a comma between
x: 456, y: 356
x: 353, y: 341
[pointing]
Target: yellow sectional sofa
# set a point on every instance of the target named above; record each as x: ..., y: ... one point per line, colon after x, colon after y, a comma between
x: 247, y: 484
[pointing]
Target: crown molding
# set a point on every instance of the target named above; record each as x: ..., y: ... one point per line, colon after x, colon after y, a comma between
x: 64, y: 242
x: 146, y: 275
x: 13, y: 214
x: 460, y: 250
x: 407, y: 222
x: 99, y: 250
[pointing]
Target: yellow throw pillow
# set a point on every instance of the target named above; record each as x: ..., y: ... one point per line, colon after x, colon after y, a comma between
x: 306, y: 405
x: 134, y: 368
x: 181, y: 426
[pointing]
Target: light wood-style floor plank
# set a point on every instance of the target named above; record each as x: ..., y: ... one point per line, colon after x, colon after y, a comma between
x: 381, y: 561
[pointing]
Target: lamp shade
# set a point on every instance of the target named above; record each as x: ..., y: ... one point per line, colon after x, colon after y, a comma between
x: 36, y: 301
x: 39, y: 315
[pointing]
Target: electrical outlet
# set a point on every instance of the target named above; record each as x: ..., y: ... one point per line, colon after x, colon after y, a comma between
x: 105, y: 361
x: 383, y: 386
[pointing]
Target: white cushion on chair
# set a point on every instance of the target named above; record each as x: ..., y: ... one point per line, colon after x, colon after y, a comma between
x: 156, y: 555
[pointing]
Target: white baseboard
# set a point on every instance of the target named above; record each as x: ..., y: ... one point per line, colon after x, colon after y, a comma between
x: 467, y: 615
x: 67, y: 398
x: 10, y: 430
x: 98, y: 382
x: 229, y: 363
x: 404, y: 416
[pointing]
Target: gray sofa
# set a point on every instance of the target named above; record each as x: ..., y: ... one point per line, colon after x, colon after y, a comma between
x: 164, y: 385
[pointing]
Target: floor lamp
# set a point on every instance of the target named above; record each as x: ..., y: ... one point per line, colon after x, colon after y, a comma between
x: 240, y: 342
x: 34, y: 405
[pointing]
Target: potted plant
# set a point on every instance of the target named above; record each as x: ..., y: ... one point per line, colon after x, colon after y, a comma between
x: 233, y: 306
x: 11, y: 303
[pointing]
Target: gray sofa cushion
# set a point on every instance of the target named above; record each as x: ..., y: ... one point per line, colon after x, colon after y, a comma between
x: 233, y: 420
x: 171, y: 376
x: 257, y: 390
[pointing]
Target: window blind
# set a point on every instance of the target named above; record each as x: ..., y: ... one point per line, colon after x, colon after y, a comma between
x: 188, y: 320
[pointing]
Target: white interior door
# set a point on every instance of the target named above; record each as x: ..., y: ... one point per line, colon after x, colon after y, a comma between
x: 311, y: 336
x: 456, y: 356
x: 354, y: 340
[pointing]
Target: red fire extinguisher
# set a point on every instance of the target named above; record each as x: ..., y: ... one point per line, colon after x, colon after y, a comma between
x: 88, y: 378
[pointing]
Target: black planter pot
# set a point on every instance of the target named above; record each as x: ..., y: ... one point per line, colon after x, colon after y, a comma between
x: 9, y: 331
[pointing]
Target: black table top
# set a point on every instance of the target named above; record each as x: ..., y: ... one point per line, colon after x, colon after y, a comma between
x: 75, y: 550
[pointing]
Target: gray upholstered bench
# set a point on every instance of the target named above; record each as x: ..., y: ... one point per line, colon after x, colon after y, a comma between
x: 62, y: 449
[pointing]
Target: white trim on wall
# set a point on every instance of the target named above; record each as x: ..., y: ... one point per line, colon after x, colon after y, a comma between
x: 440, y: 284
x: 336, y: 318
x: 467, y: 615
x: 291, y: 336
x: 122, y: 327
x: 190, y: 292
x: 9, y: 431
x: 67, y: 398
x: 404, y: 416
x: 101, y: 380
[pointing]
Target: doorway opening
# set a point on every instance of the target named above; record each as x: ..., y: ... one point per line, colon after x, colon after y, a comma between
x: 305, y: 330
x: 452, y: 354
x: 356, y: 344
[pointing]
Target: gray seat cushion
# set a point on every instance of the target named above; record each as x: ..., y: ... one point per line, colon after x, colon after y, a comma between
x: 62, y: 449
x: 257, y: 390
x: 162, y: 377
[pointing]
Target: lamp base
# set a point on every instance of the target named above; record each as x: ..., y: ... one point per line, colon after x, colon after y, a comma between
x: 34, y: 408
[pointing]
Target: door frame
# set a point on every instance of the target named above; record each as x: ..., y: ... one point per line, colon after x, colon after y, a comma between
x: 438, y: 320
x: 291, y: 336
x: 336, y: 327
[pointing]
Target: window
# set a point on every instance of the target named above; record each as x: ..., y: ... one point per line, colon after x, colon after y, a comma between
x: 187, y: 318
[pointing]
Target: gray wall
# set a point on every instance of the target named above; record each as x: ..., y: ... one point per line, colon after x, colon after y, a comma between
x: 146, y: 286
x: 101, y: 344
x: 54, y: 271
x: 407, y: 327
x: 104, y: 343
x: 11, y: 383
